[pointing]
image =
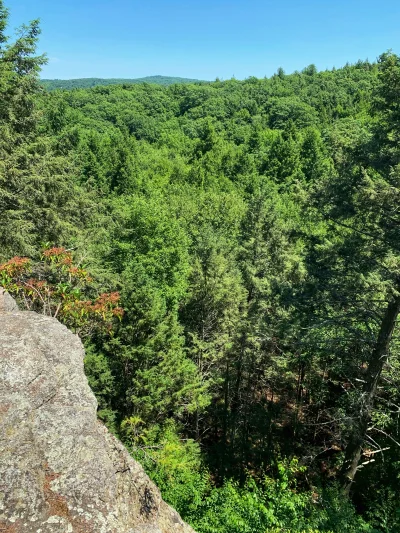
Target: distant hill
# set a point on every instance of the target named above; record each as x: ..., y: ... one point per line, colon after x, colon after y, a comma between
x: 85, y: 83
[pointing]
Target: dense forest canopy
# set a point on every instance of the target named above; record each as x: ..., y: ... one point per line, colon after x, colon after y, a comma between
x: 251, y: 229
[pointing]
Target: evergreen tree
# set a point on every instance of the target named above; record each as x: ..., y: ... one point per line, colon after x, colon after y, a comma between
x: 38, y: 199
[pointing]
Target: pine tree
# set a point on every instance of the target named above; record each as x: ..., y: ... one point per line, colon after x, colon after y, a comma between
x: 38, y: 200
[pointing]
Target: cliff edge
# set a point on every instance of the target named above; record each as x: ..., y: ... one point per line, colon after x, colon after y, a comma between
x: 61, y: 471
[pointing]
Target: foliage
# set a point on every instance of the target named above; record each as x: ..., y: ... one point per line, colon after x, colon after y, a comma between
x: 56, y: 287
x: 251, y: 229
x: 39, y: 200
x: 269, y: 504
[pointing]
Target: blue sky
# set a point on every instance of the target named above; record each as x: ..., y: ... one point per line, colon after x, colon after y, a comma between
x: 206, y: 39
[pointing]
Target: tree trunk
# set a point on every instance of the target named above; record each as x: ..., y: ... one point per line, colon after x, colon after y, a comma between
x: 379, y: 357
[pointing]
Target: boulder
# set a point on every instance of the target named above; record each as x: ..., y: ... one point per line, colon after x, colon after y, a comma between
x: 7, y: 303
x: 61, y: 471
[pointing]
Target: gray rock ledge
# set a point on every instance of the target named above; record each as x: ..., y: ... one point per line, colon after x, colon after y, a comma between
x: 61, y: 471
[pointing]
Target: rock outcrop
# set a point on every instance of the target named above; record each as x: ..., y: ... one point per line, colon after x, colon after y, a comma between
x: 61, y: 471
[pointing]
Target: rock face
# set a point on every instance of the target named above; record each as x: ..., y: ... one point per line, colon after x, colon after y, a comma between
x: 61, y: 471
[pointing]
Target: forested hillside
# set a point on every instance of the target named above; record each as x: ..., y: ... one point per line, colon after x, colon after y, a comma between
x: 251, y: 231
x: 85, y: 83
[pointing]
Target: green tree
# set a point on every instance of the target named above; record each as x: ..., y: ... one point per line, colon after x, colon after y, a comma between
x: 38, y: 199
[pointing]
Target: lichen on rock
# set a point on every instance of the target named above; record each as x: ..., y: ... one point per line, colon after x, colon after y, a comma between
x: 61, y: 471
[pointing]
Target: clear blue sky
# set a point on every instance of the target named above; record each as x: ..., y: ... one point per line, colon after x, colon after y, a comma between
x: 208, y: 38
